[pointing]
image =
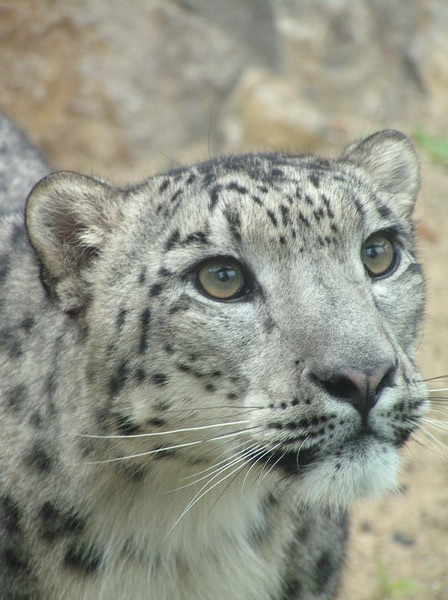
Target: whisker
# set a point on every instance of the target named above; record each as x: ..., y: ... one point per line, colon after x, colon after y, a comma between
x: 439, y: 411
x: 149, y: 452
x: 217, y: 469
x: 140, y: 454
x: 214, y: 465
x: 434, y: 438
x: 273, y: 465
x: 255, y: 460
x: 266, y: 462
x: 428, y: 444
x: 436, y: 423
x: 205, y: 490
x: 437, y: 378
x: 223, y: 492
x: 158, y: 433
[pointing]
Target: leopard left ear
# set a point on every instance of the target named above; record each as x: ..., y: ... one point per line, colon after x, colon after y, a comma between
x: 389, y: 159
x: 68, y: 218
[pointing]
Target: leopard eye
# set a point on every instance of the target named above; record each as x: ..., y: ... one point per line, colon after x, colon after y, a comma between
x: 379, y: 255
x: 221, y: 278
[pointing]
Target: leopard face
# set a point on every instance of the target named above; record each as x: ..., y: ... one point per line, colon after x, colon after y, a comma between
x: 261, y: 310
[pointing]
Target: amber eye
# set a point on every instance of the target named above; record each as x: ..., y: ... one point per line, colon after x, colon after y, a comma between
x: 221, y: 278
x: 378, y: 255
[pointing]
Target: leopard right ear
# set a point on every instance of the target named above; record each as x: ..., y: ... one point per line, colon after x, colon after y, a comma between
x: 68, y: 219
x: 390, y: 161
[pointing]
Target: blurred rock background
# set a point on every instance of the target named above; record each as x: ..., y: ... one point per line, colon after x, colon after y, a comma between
x: 124, y: 88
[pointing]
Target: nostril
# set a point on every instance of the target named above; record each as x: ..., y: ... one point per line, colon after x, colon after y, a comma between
x: 340, y: 387
x: 386, y: 381
x: 362, y: 389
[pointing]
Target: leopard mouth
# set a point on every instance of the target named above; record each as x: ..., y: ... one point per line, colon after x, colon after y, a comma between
x: 291, y: 461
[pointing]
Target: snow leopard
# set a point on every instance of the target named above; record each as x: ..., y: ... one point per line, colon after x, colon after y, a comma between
x: 200, y: 373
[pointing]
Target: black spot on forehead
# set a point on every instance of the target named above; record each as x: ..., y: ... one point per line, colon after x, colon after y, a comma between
x: 190, y: 179
x: 197, y: 237
x: 163, y: 272
x: 315, y: 180
x: 172, y: 240
x: 272, y: 217
x: 176, y: 196
x: 383, y: 210
x: 284, y: 211
x: 118, y: 380
x: 304, y: 219
x: 236, y: 187
x: 155, y: 289
x: 214, y: 196
x: 233, y: 218
x: 257, y: 200
x: 164, y: 185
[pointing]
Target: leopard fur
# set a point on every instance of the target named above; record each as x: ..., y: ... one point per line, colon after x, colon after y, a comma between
x: 158, y: 442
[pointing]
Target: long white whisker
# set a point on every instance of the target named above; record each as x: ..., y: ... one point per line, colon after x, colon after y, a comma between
x: 438, y: 411
x: 149, y: 452
x: 254, y: 460
x: 214, y: 475
x: 200, y: 495
x: 436, y: 423
x: 438, y: 377
x: 159, y: 433
x: 428, y: 443
x: 215, y: 469
x: 273, y: 466
x: 433, y: 437
x: 216, y: 464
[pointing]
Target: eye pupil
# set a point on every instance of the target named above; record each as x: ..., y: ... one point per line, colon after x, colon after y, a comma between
x: 224, y: 274
x: 221, y: 279
x: 372, y: 252
x: 379, y: 255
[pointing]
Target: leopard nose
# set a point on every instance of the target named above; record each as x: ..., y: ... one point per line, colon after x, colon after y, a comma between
x: 362, y: 389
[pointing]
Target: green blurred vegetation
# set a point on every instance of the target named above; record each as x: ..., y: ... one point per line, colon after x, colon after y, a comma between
x: 435, y: 147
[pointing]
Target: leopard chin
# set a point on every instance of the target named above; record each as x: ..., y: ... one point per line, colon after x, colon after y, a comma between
x: 367, y: 469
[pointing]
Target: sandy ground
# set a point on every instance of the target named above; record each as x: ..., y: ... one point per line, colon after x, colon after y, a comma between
x: 399, y: 545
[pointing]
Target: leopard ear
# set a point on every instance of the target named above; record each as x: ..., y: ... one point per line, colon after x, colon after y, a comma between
x: 68, y: 218
x: 389, y: 159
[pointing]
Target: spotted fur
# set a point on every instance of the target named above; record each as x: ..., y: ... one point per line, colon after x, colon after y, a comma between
x: 160, y: 444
